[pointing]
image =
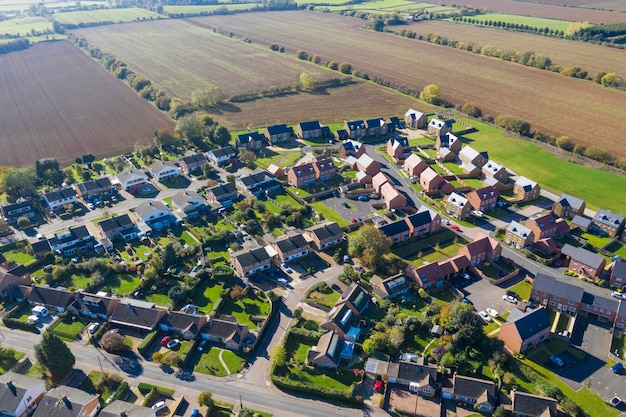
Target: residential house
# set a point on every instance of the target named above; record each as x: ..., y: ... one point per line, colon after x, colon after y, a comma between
x: 54, y: 299
x: 10, y: 278
x: 584, y: 262
x: 355, y: 128
x: 519, y: 235
x: 248, y: 261
x: 556, y: 294
x: 257, y: 183
x: 368, y: 165
x: 309, y: 130
x: 301, y: 176
x: 377, y: 127
x: 343, y: 316
x: 394, y: 123
x: 351, y: 148
x: 480, y: 394
x: 580, y: 222
x: 64, y: 401
x: 252, y: 141
x: 187, y: 325
x: 363, y: 178
x: 618, y: 274
x: 547, y: 226
x: 396, y: 232
x: 188, y: 204
x: 523, y: 330
x: 568, y: 206
x: 495, y: 170
x: 424, y: 222
x: 57, y: 200
x: 221, y: 156
x: 324, y: 168
x: 132, y: 179
x: 341, y: 135
x: 275, y: 170
x: 392, y: 197
x: 457, y: 206
x: 379, y: 179
x: 119, y: 408
x: 435, y: 274
x: 482, y: 249
x: 121, y: 226
x: 19, y: 394
x: 449, y: 141
x: 193, y: 162
x: 396, y: 147
x: 430, y: 181
x: 355, y: 297
x: 392, y: 287
x: 329, y: 351
x: 470, y: 156
x: 155, y: 214
x: 325, y: 235
x: 414, y: 165
x: 12, y: 212
x: 483, y: 199
x: 291, y: 247
x: 620, y: 318
x: 163, y: 170
x: 529, y: 405
x: 93, y: 306
x: 607, y: 223
x: 97, y: 187
x: 417, y: 377
x: 75, y: 239
x: 525, y: 189
x: 603, y: 309
x: 438, y: 127
x: 230, y: 334
x: 278, y: 133
x: 415, y: 119
x: 222, y: 193
x: 138, y: 315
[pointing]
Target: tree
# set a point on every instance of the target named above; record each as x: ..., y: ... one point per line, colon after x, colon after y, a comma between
x: 23, y: 222
x: 564, y: 143
x: 237, y: 293
x: 247, y: 157
x: 378, y: 25
x: 499, y: 412
x: 113, y: 342
x: 166, y: 138
x: 370, y: 245
x: 54, y: 355
x: 570, y: 408
x: 189, y: 126
x: 171, y: 358
x: 221, y: 136
x: 302, y: 55
x: 49, y: 171
x: 431, y: 94
x: 176, y: 294
x: 205, y: 398
x: 279, y: 355
x: 612, y: 80
x: 471, y: 110
x: 170, y: 256
x: 345, y: 68
x: 306, y: 82
x: 297, y: 313
x: 18, y: 182
x: 157, y: 357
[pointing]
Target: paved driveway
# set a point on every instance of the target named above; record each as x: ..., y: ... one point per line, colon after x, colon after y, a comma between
x: 483, y: 294
x: 358, y: 209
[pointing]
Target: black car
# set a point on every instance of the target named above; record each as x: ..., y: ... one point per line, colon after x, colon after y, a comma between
x: 336, y: 287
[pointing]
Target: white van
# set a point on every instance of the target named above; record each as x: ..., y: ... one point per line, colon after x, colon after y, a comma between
x: 40, y: 311
x: 158, y: 406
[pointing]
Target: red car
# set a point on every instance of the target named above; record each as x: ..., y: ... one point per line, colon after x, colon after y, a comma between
x: 379, y: 386
x: 166, y: 340
x: 353, y: 220
x: 455, y: 227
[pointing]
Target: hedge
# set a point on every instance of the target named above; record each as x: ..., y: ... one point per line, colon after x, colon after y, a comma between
x: 149, y: 397
x: 147, y: 388
x: 185, y: 353
x: 147, y: 341
x: 19, y: 324
x: 300, y: 387
x: 120, y: 393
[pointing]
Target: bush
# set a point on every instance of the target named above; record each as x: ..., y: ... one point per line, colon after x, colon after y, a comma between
x: 147, y: 341
x: 18, y: 324
x: 316, y: 391
x: 184, y: 356
x: 121, y: 392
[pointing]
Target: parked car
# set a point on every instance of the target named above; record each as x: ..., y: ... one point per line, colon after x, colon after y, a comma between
x: 94, y: 327
x: 492, y: 312
x: 363, y: 198
x: 483, y: 315
x: 478, y: 213
x: 509, y: 298
x: 466, y: 301
x: 91, y: 206
x: 615, y: 401
x: 172, y: 343
x: 618, y: 295
x: 286, y: 268
x: 359, y: 268
x: 201, y: 346
x: 455, y: 227
x: 353, y: 220
x: 556, y: 360
x: 165, y: 340
x: 465, y: 275
x: 346, y: 205
x: 33, y: 319
x: 375, y: 196
x: 336, y: 287
x: 195, y: 412
x: 617, y: 368
x: 379, y: 386
x: 282, y: 281
x: 158, y: 406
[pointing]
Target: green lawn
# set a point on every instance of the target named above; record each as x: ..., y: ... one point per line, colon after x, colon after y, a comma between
x: 19, y: 256
x: 326, y: 299
x: 522, y: 289
x: 255, y: 305
x: 329, y: 214
x: 284, y: 198
x: 552, y: 173
x: 122, y: 283
x: 24, y: 25
x: 595, y: 240
x: 104, y: 15
x: 416, y: 342
x: 23, y: 313
x: 283, y: 158
x: 8, y: 360
x: 67, y: 330
x: 159, y: 299
x: 233, y: 360
x: 208, y: 294
x: 525, y: 20
x: 344, y: 380
x: 272, y: 207
x: 210, y: 364
x: 218, y: 412
x: 616, y: 248
x: 619, y: 344
x: 297, y: 349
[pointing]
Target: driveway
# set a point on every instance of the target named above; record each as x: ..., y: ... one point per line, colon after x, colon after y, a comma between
x: 358, y: 209
x: 483, y: 294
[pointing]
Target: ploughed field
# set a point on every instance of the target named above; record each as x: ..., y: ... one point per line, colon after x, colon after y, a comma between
x: 180, y: 57
x: 588, y: 113
x: 57, y: 102
x: 566, y: 53
x: 616, y: 5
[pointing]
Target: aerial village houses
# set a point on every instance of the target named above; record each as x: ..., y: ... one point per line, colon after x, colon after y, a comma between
x: 100, y: 186
x: 472, y: 159
x: 448, y: 146
x: 164, y: 170
x: 59, y: 199
x: 351, y: 148
x: 119, y: 408
x: 188, y: 204
x: 291, y: 247
x: 252, y: 141
x: 414, y: 165
x: 222, y: 156
x: 438, y: 127
x: 430, y: 181
x: 392, y: 287
x: 329, y: 351
x: 546, y: 226
x: 121, y: 225
x: 301, y: 176
x: 478, y: 393
x: 230, y: 334
x: 12, y: 212
x: 392, y: 197
x: 525, y: 189
x: 379, y: 179
x: 555, y: 294
x: 19, y: 394
x: 309, y: 130
x: 457, y: 206
x: 248, y: 261
x: 607, y: 223
x: 523, y: 330
x: 10, y: 278
x: 567, y: 207
x: 137, y: 315
x: 278, y: 133
x: 191, y: 163
x: 417, y: 377
x: 132, y: 179
x: 257, y: 183
x: 495, y: 170
x: 64, y: 401
x: 222, y: 193
x: 584, y: 262
x: 618, y: 274
x: 519, y: 235
x: 529, y: 405
x: 155, y: 214
x: 74, y: 239
x: 397, y: 147
x: 482, y: 249
x: 325, y: 235
x: 324, y: 168
x: 415, y: 119
x: 355, y: 128
x: 368, y: 165
x: 483, y: 199
x: 377, y: 127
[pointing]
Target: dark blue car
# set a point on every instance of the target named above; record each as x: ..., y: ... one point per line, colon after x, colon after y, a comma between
x: 617, y: 368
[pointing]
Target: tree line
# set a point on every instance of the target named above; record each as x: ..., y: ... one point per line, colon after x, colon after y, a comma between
x: 12, y: 46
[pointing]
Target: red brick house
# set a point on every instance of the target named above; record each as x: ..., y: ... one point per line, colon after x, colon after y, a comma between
x: 430, y: 181
x: 367, y: 164
x: 415, y: 119
x: 555, y: 294
x: 438, y: 127
x: 483, y: 199
x: 567, y: 207
x: 309, y: 130
x: 482, y: 249
x: 618, y: 274
x: 351, y: 148
x: 414, y: 165
x: 584, y: 262
x: 355, y: 128
x: 396, y: 147
x: 522, y: 331
x: 546, y: 226
x: 324, y: 168
x: 393, y: 198
x: 379, y: 179
x: 301, y: 175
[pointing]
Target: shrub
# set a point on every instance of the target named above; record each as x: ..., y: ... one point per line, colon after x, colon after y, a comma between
x: 302, y: 55
x: 345, y: 68
x: 121, y: 392
x: 147, y: 341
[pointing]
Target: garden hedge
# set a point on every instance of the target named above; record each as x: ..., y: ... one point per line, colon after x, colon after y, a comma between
x: 143, y: 346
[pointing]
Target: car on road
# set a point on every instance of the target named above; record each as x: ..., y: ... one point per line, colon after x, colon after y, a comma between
x: 201, y: 346
x: 615, y: 401
x: 353, y: 220
x: 618, y: 295
x: 286, y: 268
x: 363, y: 198
x: 617, y: 368
x: 346, y: 205
x: 483, y: 315
x: 492, y: 312
x: 282, y: 281
x: 509, y: 298
x: 91, y: 206
x: 556, y: 360
x: 158, y: 406
x: 478, y: 213
x: 455, y: 227
x: 172, y: 343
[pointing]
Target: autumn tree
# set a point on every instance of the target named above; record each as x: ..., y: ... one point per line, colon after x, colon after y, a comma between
x: 205, y: 398
x: 565, y: 143
x: 189, y: 126
x: 171, y: 358
x: 279, y: 355
x: 306, y: 82
x: 431, y: 94
x: 370, y: 245
x: 237, y: 293
x: 113, y: 342
x: 345, y: 68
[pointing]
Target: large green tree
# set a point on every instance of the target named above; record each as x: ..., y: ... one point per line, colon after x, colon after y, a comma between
x: 370, y: 245
x: 18, y: 182
x: 54, y: 355
x: 431, y: 94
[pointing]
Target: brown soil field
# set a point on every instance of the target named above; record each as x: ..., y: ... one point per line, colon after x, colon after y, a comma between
x: 59, y: 103
x: 181, y: 57
x: 615, y: 5
x: 586, y: 112
x: 361, y: 100
x: 566, y: 53
x: 548, y: 10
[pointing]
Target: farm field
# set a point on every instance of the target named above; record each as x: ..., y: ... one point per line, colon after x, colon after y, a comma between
x: 551, y: 102
x: 566, y: 53
x: 43, y: 117
x: 181, y: 56
x: 194, y: 9
x: 616, y: 5
x: 549, y: 11
x: 19, y: 5
x: 359, y: 100
x: 106, y: 15
x: 388, y: 6
x: 526, y: 20
x: 22, y: 26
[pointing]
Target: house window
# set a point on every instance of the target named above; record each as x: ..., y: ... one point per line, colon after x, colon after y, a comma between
x: 485, y: 407
x: 552, y: 303
x: 427, y: 390
x: 570, y: 302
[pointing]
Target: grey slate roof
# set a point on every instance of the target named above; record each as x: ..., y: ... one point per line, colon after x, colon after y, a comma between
x: 355, y: 124
x: 223, y: 189
x: 474, y: 388
x: 62, y: 401
x: 289, y: 243
x: 244, y: 138
x: 550, y: 285
x: 127, y: 174
x: 326, y: 231
x: 608, y: 217
x: 158, y: 166
x: 394, y: 228
x: 60, y: 194
x: 518, y: 229
x: 97, y: 184
x: 225, y: 329
x: 619, y: 269
x: 183, y: 321
x: 420, y: 218
x: 195, y: 158
x: 13, y: 386
x: 312, y: 125
x: 248, y: 257
x: 571, y: 201
x: 581, y: 221
x: 533, y: 405
x: 50, y: 296
x: 115, y: 222
x: 530, y: 323
x: 582, y: 255
x: 357, y: 296
x: 606, y: 303
x: 134, y: 315
x: 183, y: 198
x: 119, y: 408
x: 226, y: 151
x: 147, y: 207
x: 279, y: 129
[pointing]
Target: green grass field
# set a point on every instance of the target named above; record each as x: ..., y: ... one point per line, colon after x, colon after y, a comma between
x: 522, y: 289
x: 284, y: 198
x: 329, y: 213
x: 525, y: 20
x: 210, y: 364
x: 557, y: 175
x: 106, y: 15
x: 251, y: 305
x: 382, y: 6
x: 233, y: 360
x: 64, y: 329
x: 19, y: 256
x: 24, y: 25
x: 209, y: 294
x: 197, y: 9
